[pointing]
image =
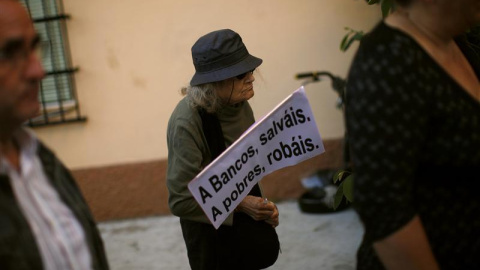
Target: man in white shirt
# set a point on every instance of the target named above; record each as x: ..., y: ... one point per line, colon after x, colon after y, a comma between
x: 45, y: 222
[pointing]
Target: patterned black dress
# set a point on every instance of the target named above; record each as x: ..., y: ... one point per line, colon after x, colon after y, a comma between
x: 414, y: 134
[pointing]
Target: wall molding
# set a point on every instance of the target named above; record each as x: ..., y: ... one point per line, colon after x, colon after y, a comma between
x: 138, y: 189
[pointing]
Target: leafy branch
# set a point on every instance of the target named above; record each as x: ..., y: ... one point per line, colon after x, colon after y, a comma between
x: 349, y: 38
x: 345, y: 188
x: 354, y: 35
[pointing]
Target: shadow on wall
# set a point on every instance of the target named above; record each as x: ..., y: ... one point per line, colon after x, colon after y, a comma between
x: 139, y: 189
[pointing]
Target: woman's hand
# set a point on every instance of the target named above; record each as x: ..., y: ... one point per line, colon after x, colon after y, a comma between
x: 273, y: 219
x: 259, y: 209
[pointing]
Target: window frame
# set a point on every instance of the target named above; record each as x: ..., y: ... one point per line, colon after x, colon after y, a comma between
x: 57, y: 95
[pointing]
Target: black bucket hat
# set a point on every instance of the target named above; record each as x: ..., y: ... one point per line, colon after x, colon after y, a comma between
x: 220, y: 55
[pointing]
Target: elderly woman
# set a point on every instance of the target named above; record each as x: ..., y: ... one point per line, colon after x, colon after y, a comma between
x: 413, y: 117
x: 211, y: 116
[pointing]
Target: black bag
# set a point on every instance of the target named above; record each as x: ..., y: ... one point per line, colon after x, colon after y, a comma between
x: 256, y: 241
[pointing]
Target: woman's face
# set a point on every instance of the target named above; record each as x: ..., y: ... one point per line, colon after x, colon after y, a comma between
x: 237, y: 89
x: 466, y: 12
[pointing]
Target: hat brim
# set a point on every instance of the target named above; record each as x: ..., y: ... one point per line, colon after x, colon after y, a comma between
x: 249, y: 63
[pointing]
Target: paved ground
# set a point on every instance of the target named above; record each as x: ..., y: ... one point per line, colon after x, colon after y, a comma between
x: 308, y: 241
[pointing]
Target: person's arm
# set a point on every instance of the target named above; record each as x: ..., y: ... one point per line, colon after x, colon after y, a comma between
x: 407, y: 248
x: 185, y: 161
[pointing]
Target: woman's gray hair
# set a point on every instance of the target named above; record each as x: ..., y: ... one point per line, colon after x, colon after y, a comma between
x: 203, y: 96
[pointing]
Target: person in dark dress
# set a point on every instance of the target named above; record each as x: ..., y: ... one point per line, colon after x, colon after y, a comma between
x: 413, y: 117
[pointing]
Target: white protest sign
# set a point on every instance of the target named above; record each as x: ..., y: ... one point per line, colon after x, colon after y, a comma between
x: 286, y: 136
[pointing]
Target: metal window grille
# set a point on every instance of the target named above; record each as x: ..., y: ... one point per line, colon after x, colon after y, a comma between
x: 58, y: 99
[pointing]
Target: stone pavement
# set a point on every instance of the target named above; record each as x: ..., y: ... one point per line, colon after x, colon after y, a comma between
x: 308, y: 241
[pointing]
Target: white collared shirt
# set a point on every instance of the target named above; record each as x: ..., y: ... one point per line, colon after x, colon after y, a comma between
x: 59, y: 236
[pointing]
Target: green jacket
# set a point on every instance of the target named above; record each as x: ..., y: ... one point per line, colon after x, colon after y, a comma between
x: 188, y: 152
x: 18, y: 248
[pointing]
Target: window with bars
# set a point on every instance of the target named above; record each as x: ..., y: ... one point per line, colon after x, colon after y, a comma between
x: 58, y: 99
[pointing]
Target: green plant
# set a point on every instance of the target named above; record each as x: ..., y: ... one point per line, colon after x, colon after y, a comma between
x: 344, y: 180
x: 349, y: 38
x: 355, y: 35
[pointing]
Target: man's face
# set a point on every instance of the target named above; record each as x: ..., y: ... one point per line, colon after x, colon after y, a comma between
x: 20, y: 68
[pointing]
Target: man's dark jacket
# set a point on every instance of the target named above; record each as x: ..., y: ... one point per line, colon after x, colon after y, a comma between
x: 18, y: 248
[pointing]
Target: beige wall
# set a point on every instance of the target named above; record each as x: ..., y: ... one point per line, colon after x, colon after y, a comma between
x: 135, y: 55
